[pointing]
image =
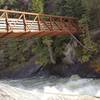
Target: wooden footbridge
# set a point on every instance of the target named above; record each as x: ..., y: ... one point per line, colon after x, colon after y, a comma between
x: 17, y: 24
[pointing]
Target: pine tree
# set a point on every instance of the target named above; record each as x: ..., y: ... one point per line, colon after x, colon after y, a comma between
x: 71, y: 8
x: 93, y: 10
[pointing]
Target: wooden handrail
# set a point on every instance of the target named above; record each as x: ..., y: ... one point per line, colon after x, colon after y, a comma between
x: 38, y: 14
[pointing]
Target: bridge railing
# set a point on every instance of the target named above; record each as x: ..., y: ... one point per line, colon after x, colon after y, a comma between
x: 25, y: 23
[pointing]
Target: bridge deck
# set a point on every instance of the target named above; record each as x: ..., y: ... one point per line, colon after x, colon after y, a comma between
x: 16, y: 24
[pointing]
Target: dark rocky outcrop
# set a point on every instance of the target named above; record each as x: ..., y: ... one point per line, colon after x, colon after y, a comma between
x: 21, y: 71
x: 63, y: 70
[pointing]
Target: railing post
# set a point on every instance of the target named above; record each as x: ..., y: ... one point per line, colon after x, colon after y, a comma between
x: 7, y: 24
x: 39, y: 23
x: 51, y: 23
x: 24, y: 22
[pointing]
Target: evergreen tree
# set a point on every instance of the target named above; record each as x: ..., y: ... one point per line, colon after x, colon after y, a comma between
x: 64, y: 7
x: 71, y: 8
x: 23, y: 5
x: 93, y: 11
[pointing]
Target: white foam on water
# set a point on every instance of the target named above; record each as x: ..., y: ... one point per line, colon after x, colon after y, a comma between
x: 51, y: 88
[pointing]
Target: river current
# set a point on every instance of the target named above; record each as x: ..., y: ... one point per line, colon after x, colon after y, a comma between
x: 48, y: 88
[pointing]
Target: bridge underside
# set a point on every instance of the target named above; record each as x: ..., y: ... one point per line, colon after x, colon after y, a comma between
x: 17, y: 24
x: 30, y: 34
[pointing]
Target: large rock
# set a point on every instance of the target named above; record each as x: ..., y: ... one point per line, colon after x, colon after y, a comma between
x: 70, y: 53
x: 21, y: 71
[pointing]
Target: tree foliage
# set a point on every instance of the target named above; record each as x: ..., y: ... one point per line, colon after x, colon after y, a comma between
x: 71, y: 8
x: 23, y: 5
x: 93, y: 11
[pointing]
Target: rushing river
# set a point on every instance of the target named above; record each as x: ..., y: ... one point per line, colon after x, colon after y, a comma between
x: 48, y: 88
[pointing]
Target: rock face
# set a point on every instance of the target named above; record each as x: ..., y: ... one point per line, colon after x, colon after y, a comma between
x: 22, y: 71
x: 70, y: 66
x: 63, y: 70
x: 70, y: 55
x: 96, y: 35
x: 65, y: 67
x: 49, y: 6
x: 26, y: 71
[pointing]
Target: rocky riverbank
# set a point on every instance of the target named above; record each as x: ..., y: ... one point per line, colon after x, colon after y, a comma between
x: 18, y: 61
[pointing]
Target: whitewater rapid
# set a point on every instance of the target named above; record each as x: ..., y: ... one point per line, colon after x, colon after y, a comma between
x: 50, y: 88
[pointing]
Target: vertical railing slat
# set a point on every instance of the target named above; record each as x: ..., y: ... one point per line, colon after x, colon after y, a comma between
x: 7, y: 23
x: 51, y: 23
x: 24, y: 22
x: 39, y: 23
